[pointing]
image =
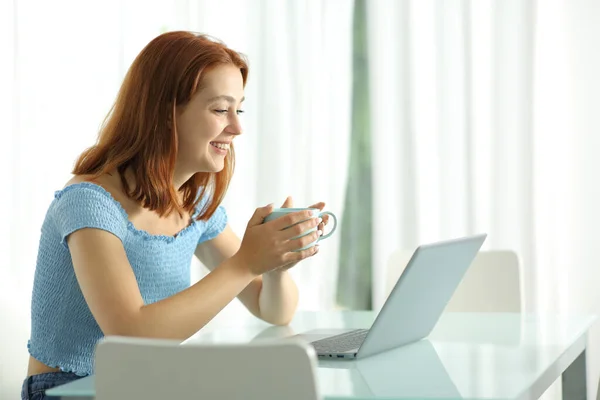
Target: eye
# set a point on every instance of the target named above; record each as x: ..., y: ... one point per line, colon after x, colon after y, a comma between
x: 240, y: 112
x: 221, y: 111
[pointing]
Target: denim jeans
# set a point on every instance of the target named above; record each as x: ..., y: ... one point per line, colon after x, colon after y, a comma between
x: 35, y: 386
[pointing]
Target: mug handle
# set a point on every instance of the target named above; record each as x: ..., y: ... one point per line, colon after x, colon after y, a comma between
x: 332, y: 215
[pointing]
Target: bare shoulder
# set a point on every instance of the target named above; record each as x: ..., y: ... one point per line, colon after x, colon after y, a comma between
x: 79, y: 179
x: 111, y: 183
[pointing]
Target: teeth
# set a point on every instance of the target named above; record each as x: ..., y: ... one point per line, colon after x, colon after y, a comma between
x: 223, y: 146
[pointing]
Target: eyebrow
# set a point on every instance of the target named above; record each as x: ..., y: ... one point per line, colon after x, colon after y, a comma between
x: 229, y: 99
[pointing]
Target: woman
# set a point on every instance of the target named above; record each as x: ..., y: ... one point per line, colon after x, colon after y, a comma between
x: 118, y: 239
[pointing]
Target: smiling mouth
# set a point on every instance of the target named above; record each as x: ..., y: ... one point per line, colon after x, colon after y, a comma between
x: 220, y: 146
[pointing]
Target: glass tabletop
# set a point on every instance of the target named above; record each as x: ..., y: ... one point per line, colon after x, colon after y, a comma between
x: 467, y: 356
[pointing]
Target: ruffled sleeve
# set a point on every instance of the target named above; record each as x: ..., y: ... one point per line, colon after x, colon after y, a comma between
x: 214, y: 226
x: 86, y: 205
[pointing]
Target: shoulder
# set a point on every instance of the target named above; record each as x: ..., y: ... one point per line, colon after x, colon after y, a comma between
x: 106, y: 187
x: 88, y: 192
x: 79, y: 179
x: 83, y: 203
x: 109, y: 184
x: 215, y: 223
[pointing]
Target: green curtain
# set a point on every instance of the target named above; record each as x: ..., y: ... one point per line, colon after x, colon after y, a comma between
x: 354, y: 282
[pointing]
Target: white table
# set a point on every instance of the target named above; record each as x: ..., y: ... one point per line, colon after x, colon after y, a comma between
x: 467, y: 356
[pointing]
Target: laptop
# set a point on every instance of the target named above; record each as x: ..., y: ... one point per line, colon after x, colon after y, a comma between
x: 413, y: 307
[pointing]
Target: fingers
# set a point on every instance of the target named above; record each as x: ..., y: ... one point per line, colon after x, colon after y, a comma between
x: 325, y: 218
x: 320, y: 205
x: 259, y: 215
x: 288, y: 203
x: 299, y: 228
x: 301, y: 255
x: 303, y: 241
x: 290, y: 219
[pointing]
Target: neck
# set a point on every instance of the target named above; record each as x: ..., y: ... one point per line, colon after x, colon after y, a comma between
x: 180, y: 178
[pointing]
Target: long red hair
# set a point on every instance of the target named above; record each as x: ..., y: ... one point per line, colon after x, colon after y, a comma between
x: 139, y: 131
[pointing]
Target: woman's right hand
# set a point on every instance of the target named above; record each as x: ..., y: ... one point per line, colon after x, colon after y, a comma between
x: 269, y: 246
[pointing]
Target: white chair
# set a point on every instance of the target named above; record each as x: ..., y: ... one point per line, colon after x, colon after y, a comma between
x: 153, y: 369
x: 491, y: 284
x: 14, y: 333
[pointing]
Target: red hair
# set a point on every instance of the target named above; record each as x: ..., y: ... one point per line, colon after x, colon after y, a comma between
x: 139, y: 131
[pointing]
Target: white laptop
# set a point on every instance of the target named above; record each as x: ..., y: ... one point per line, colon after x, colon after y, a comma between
x: 413, y: 307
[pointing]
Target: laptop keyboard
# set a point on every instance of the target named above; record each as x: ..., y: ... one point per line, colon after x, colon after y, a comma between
x: 341, y: 343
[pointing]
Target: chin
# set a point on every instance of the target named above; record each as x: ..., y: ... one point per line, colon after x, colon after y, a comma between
x: 217, y: 169
x: 212, y: 167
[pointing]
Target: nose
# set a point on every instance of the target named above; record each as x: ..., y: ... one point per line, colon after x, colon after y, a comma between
x: 235, y: 126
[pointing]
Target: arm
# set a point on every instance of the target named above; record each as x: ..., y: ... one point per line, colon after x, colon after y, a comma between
x: 272, y: 297
x: 110, y: 289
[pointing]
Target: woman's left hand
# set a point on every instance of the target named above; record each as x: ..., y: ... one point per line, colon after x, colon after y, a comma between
x: 289, y: 203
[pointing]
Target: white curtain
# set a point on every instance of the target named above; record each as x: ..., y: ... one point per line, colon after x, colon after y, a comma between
x: 484, y: 119
x: 60, y: 75
x: 298, y: 115
x: 62, y: 63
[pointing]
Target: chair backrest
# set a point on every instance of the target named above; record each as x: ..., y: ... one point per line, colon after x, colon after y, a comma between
x: 492, y: 282
x: 128, y: 368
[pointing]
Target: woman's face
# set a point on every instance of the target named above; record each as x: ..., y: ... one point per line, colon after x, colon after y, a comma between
x: 207, y: 125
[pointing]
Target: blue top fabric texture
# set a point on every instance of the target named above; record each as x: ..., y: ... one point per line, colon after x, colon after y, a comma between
x: 64, y: 332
